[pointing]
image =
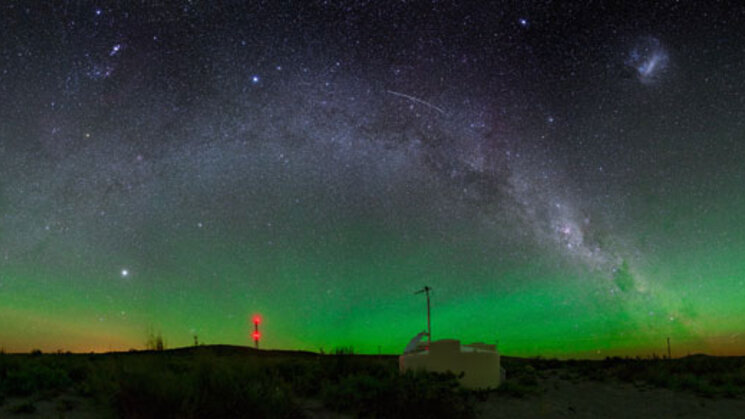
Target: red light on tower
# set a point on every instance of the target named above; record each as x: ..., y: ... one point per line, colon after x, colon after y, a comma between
x: 256, y: 335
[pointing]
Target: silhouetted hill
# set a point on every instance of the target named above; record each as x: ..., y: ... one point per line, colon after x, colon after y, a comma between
x: 237, y: 350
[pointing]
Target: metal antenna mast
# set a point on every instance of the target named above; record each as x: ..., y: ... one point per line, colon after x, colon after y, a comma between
x: 426, y: 290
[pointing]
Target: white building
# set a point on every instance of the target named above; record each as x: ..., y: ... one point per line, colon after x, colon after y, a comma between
x: 478, y: 361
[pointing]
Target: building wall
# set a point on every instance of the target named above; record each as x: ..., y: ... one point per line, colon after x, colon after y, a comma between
x: 482, y: 369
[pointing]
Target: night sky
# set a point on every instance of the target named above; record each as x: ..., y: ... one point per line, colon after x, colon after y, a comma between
x: 568, y: 178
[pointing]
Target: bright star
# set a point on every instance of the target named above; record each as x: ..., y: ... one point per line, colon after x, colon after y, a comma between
x: 125, y: 273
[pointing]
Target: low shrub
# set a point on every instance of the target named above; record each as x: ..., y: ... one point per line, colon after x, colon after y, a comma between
x: 304, y: 377
x: 26, y: 407
x: 730, y: 390
x: 705, y: 376
x: 34, y: 377
x: 171, y: 388
x: 409, y: 395
x: 512, y: 388
x: 65, y: 405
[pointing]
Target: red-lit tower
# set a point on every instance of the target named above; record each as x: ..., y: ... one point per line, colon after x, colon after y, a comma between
x: 256, y: 335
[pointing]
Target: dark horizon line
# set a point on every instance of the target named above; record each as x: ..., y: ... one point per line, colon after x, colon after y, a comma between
x: 269, y: 352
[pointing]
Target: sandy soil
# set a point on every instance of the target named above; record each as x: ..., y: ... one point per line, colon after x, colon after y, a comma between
x: 590, y: 399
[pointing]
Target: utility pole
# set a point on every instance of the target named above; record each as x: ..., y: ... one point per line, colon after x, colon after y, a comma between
x: 426, y: 290
x: 669, y: 354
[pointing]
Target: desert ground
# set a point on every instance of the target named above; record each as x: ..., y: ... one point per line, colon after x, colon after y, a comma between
x: 231, y: 381
x: 580, y: 398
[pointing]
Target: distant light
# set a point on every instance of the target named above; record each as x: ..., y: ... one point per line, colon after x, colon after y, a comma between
x: 256, y: 335
x: 523, y: 22
x: 255, y: 79
x: 98, y: 12
x: 125, y: 273
x: 257, y: 319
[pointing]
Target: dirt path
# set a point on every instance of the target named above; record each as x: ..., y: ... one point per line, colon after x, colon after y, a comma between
x: 589, y: 399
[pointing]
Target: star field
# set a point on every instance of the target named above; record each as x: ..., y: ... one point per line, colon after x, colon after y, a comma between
x: 567, y: 178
